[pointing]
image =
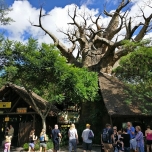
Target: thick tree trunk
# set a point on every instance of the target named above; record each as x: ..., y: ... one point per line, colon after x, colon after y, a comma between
x: 43, y: 122
x: 98, y: 64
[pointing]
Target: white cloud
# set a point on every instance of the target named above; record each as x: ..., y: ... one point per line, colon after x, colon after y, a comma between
x: 23, y: 11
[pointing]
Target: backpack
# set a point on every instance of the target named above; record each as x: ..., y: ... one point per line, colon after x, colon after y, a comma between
x: 90, y: 135
x: 105, y: 136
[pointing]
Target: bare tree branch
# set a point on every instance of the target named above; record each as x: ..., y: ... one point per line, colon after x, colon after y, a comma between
x: 107, y: 14
x: 59, y: 44
x: 142, y: 32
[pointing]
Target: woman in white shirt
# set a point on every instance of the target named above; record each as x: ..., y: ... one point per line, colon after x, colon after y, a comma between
x: 73, y: 138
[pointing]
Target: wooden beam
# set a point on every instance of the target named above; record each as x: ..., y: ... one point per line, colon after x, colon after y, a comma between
x: 111, y: 121
x: 15, y: 113
x: 15, y: 104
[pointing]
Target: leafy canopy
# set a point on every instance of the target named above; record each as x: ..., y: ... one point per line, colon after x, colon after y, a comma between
x: 135, y: 70
x: 42, y: 69
x: 4, y: 10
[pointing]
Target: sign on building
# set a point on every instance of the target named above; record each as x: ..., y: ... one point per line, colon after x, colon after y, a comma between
x: 5, y: 104
x: 21, y: 110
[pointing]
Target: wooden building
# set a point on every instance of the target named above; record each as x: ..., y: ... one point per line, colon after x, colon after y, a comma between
x: 17, y: 109
x: 117, y: 111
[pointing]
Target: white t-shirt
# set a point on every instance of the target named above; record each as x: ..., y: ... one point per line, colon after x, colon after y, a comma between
x: 72, y: 133
x: 85, y: 134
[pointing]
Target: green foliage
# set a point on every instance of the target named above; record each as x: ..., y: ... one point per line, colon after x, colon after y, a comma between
x: 50, y: 144
x: 42, y: 69
x: 26, y: 146
x: 37, y: 145
x: 64, y: 140
x: 4, y: 10
x: 136, y: 71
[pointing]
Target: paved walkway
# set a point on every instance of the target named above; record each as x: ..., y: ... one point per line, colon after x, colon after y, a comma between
x: 65, y: 149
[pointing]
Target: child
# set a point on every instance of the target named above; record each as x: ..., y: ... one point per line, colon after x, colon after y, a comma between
x: 7, y: 144
x: 120, y: 142
x: 32, y: 138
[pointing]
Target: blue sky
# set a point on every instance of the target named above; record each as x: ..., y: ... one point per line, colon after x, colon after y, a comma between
x: 50, y: 4
x: 26, y: 11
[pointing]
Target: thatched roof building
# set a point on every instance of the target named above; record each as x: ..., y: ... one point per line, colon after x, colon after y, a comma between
x: 17, y: 109
x: 118, y: 111
x: 9, y: 91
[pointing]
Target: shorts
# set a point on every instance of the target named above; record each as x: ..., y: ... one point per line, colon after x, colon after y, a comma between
x: 7, y: 145
x: 87, y: 146
x: 56, y: 145
x: 149, y: 142
x: 31, y: 145
x: 43, y: 145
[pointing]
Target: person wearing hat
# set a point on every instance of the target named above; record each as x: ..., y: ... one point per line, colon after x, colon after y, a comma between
x: 87, y: 143
x: 7, y: 143
x: 73, y: 138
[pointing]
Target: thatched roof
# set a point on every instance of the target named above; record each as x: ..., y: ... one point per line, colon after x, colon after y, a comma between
x: 21, y: 91
x: 113, y: 92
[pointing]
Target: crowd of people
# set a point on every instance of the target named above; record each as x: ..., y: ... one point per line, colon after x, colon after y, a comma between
x: 128, y: 139
x: 87, y: 136
x: 55, y: 133
x: 112, y: 140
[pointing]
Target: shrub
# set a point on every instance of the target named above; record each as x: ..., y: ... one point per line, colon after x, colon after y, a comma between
x: 37, y: 145
x: 26, y: 146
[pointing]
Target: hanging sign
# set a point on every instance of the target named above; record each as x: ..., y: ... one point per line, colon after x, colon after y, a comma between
x: 21, y: 110
x: 6, y: 118
x: 5, y: 104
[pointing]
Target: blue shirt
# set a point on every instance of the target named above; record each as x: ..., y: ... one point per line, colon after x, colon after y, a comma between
x: 140, y: 140
x: 132, y: 129
x: 55, y: 135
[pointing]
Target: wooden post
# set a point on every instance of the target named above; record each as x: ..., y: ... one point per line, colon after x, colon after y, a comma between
x: 111, y: 121
x: 34, y: 121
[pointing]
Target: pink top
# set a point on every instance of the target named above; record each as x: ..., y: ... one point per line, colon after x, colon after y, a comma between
x: 149, y: 136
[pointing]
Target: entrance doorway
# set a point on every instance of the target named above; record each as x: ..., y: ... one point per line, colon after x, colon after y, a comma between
x: 22, y: 125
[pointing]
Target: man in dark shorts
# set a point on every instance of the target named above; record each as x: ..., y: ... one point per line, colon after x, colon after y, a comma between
x: 87, y: 143
x: 107, y: 138
x: 55, y: 137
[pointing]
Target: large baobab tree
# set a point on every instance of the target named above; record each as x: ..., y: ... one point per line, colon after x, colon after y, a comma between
x: 99, y: 47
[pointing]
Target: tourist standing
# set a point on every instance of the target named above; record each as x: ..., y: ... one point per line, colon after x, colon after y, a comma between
x: 115, y: 136
x: 126, y: 140
x: 7, y: 144
x: 130, y: 130
x: 43, y: 140
x: 148, y: 134
x: 10, y: 131
x: 107, y: 138
x: 55, y: 137
x: 73, y: 138
x: 32, y: 138
x: 87, y: 143
x: 140, y: 140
